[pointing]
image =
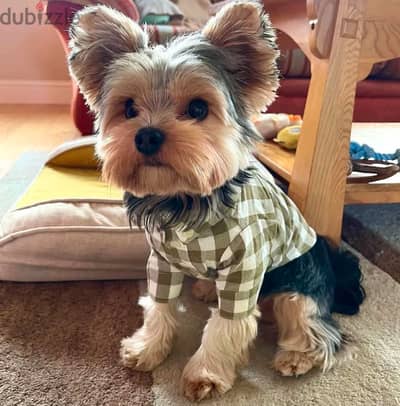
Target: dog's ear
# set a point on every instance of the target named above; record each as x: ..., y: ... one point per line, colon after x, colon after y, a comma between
x: 244, y: 33
x: 99, y: 36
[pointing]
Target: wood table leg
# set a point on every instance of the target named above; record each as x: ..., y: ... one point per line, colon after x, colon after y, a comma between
x: 319, y: 175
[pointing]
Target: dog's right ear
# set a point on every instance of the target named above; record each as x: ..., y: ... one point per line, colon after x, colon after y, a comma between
x: 99, y: 36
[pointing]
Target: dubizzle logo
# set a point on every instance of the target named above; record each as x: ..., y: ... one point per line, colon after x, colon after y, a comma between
x: 40, y: 6
x: 39, y: 15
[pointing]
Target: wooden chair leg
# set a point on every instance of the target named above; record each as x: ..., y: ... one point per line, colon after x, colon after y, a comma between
x: 319, y: 175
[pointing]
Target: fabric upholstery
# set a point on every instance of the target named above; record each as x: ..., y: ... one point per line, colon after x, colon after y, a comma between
x: 376, y: 100
x: 69, y: 225
x: 60, y: 241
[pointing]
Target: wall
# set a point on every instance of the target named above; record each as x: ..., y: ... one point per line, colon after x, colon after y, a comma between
x: 31, y: 57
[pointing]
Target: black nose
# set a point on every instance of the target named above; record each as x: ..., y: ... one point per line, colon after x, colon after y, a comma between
x: 149, y: 140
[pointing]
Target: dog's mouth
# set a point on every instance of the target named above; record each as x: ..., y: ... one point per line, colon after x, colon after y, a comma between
x: 153, y: 177
x: 156, y: 163
x: 152, y: 161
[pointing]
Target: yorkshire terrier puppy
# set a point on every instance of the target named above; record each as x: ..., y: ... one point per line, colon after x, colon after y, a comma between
x: 175, y: 132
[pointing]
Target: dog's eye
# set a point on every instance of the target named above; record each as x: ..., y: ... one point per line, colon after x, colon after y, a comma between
x: 197, y: 109
x: 130, y: 110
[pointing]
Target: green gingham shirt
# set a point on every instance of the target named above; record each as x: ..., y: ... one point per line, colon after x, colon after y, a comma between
x: 264, y: 230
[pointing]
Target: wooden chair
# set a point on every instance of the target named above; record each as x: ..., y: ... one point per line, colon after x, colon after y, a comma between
x: 342, y: 39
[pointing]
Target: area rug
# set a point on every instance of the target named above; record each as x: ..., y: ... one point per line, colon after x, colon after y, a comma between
x: 59, y: 346
x: 374, y: 231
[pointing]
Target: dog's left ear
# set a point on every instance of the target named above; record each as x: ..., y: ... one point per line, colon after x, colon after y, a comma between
x: 244, y: 33
x: 99, y: 37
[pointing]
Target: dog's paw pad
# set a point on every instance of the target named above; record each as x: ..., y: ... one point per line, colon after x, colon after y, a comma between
x: 292, y: 363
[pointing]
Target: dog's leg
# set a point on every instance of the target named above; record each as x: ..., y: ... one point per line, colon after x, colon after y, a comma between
x: 306, y: 338
x: 224, y: 348
x: 152, y: 343
x: 205, y: 290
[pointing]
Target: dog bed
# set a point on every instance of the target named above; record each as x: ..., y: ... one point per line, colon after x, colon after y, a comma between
x: 69, y: 225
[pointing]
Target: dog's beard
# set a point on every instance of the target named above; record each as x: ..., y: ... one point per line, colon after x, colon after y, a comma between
x: 162, y: 180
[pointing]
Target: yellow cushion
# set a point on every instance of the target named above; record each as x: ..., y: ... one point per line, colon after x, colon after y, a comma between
x: 79, y: 157
x: 60, y: 183
x: 72, y: 173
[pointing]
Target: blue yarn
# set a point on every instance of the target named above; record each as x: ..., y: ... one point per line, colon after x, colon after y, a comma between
x: 364, y: 151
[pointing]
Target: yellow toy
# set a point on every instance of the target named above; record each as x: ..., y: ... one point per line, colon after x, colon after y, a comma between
x: 275, y: 126
x: 288, y: 137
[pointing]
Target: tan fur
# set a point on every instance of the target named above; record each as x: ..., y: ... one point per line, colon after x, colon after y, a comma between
x: 237, y: 28
x: 195, y: 158
x: 303, y: 341
x: 152, y: 343
x: 112, y: 63
x: 101, y: 36
x: 293, y: 363
x: 224, y: 348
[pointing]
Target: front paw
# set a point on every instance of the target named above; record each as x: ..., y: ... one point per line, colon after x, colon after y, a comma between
x: 143, y: 353
x: 203, y: 386
x: 199, y: 382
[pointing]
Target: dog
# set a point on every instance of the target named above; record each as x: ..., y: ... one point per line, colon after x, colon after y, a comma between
x: 175, y: 132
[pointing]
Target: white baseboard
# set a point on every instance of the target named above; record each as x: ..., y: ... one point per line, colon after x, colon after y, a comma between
x: 35, y: 92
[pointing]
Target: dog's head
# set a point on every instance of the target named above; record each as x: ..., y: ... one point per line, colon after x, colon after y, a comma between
x: 175, y: 119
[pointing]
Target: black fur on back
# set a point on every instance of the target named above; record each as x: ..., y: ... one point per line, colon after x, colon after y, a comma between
x: 331, y: 277
x: 349, y: 293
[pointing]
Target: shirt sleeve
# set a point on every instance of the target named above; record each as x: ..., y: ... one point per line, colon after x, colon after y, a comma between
x: 164, y: 281
x: 241, y: 271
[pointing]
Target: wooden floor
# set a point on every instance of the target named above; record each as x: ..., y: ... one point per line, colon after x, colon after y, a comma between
x: 35, y: 127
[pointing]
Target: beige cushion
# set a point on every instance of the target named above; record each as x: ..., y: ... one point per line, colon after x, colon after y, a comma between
x: 59, y: 241
x: 195, y: 10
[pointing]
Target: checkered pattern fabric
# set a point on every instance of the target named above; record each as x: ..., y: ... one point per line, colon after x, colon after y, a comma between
x: 263, y: 231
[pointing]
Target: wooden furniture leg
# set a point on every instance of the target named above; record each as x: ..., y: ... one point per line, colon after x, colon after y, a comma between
x: 318, y: 180
x: 342, y: 39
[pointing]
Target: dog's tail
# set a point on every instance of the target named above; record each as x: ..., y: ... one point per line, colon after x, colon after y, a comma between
x: 349, y: 293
